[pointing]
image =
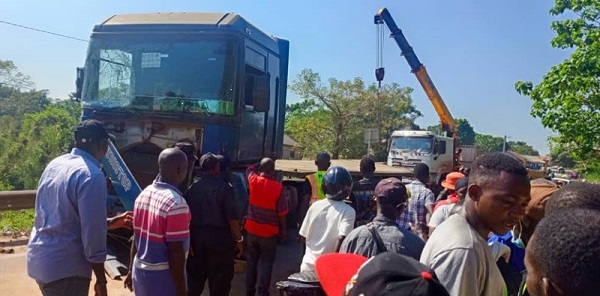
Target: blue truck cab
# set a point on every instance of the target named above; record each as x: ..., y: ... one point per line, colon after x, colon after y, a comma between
x: 211, y: 79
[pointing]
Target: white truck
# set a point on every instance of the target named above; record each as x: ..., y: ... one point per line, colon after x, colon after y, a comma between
x: 407, y: 148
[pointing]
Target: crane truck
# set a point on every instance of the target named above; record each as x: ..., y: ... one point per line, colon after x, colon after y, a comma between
x: 409, y: 147
x: 442, y: 154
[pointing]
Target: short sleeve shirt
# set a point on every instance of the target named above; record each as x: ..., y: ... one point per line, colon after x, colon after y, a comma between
x: 160, y: 215
x: 325, y: 221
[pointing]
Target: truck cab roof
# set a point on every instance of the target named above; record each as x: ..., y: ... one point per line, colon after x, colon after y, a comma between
x: 191, y: 22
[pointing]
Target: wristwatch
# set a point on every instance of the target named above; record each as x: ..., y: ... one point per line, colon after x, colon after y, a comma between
x: 241, y: 240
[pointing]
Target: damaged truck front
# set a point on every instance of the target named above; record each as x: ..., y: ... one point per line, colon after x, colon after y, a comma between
x: 210, y: 79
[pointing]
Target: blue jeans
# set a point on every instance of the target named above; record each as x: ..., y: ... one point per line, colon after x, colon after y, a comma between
x: 260, y: 256
x: 71, y: 286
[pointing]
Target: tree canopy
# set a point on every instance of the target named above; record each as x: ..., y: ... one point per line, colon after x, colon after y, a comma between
x: 466, y: 133
x: 333, y: 115
x: 567, y: 100
x: 35, y: 128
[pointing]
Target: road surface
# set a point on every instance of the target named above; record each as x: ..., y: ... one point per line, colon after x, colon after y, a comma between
x: 14, y: 279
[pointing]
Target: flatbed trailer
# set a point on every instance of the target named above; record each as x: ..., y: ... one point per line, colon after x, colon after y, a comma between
x: 300, y: 168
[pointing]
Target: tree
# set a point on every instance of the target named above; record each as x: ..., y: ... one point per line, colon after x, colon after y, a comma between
x: 488, y: 143
x: 34, y: 129
x: 11, y: 77
x: 560, y: 155
x: 333, y: 116
x: 18, y: 103
x: 567, y: 100
x: 466, y: 133
x: 521, y: 148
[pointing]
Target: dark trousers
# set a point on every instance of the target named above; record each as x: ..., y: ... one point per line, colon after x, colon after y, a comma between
x: 71, y: 286
x: 260, y: 255
x: 213, y: 259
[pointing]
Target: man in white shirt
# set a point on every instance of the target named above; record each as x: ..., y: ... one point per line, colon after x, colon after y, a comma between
x: 328, y: 221
x: 457, y: 251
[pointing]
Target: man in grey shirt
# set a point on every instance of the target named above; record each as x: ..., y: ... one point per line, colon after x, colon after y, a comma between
x: 391, y: 200
x: 457, y: 251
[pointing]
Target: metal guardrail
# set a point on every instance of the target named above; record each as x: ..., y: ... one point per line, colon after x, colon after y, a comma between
x: 17, y: 200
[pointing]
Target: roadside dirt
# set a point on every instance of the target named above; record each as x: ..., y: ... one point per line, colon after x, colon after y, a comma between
x: 15, y: 281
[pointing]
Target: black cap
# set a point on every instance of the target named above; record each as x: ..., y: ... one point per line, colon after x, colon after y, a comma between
x: 388, y: 273
x: 91, y: 129
x: 208, y: 161
x: 392, y: 190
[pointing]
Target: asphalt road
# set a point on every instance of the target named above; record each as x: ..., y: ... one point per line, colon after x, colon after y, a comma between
x: 14, y: 279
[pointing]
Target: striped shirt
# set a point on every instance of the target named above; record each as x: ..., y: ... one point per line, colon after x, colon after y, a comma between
x: 160, y: 215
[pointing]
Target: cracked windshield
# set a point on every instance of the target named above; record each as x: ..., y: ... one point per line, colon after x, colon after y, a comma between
x: 162, y: 75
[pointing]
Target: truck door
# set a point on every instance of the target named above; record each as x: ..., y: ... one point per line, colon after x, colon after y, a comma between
x: 252, y: 129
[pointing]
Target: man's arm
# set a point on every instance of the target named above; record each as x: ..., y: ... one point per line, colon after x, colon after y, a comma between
x: 177, y: 266
x: 252, y: 170
x: 429, y: 203
x: 231, y: 214
x: 346, y: 226
x: 91, y: 206
x: 177, y: 231
x: 122, y: 220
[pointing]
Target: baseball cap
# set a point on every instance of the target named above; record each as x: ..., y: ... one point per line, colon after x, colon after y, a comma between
x: 208, y: 161
x: 385, y: 274
x: 451, y: 180
x: 91, y: 129
x: 393, y: 190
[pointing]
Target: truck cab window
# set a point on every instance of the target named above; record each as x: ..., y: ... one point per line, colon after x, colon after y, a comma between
x: 442, y: 147
x: 255, y: 66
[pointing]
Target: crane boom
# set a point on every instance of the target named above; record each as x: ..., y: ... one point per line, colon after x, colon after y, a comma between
x: 446, y: 119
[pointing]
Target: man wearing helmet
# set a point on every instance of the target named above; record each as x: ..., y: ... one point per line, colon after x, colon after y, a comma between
x: 328, y: 221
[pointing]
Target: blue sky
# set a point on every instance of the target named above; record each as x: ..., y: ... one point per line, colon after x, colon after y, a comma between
x: 474, y: 50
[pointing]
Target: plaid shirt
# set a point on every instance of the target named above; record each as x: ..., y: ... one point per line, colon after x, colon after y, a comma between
x: 416, y: 212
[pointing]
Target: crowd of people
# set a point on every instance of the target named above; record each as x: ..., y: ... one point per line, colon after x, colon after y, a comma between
x: 490, y: 231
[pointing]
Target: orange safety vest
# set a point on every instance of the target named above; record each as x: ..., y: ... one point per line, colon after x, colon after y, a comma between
x: 316, y: 180
x: 262, y: 219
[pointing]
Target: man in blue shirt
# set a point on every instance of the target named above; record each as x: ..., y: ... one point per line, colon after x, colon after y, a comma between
x: 68, y: 239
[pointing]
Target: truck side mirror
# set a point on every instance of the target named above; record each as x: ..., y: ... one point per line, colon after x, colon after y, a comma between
x: 436, y: 147
x: 262, y: 93
x: 79, y: 84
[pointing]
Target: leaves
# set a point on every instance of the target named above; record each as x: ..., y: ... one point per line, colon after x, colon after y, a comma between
x: 333, y: 115
x: 567, y: 100
x: 34, y: 129
x: 466, y: 133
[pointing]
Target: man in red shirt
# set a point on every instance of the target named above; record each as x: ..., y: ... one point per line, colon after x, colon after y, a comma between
x: 265, y: 221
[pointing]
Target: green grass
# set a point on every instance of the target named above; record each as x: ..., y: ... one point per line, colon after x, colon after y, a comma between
x: 20, y: 220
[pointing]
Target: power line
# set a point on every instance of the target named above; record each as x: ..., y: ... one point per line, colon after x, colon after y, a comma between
x: 43, y: 31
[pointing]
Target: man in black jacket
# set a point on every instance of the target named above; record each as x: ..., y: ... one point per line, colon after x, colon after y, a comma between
x: 214, y: 230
